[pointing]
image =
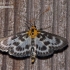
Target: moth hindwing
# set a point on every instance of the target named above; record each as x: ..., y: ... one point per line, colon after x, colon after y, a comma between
x: 32, y: 43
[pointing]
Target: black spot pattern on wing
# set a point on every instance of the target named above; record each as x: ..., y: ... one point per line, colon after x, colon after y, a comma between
x: 38, y: 35
x: 14, y: 37
x: 49, y: 36
x: 27, y: 52
x: 36, y: 46
x: 57, y: 41
x: 46, y: 42
x: 39, y: 48
x: 26, y: 36
x: 23, y: 49
x: 10, y: 49
x: 16, y: 43
x: 42, y: 37
x: 27, y: 46
x: 21, y: 38
x: 51, y: 49
x: 19, y: 48
x: 43, y: 48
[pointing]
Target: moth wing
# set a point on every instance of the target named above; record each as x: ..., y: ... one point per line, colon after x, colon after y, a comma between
x: 47, y: 43
x: 3, y: 45
x: 18, y: 45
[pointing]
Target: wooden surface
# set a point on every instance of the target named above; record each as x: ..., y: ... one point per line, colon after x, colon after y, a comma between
x: 55, y: 20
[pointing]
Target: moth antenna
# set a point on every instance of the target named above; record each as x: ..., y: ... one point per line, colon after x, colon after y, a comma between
x: 40, y: 15
x: 45, y: 28
x: 27, y: 21
x: 27, y: 25
x: 41, y: 28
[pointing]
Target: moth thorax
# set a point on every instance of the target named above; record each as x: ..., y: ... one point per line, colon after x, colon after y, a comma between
x: 33, y: 32
x: 32, y: 41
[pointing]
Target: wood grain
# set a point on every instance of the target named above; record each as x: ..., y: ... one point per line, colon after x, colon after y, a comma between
x: 56, y: 20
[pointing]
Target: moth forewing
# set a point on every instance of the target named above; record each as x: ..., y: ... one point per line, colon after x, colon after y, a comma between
x: 57, y: 42
x: 32, y: 43
x: 47, y: 43
x: 3, y: 44
x: 61, y: 43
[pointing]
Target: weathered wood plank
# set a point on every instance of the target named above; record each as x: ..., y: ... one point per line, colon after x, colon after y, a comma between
x: 9, y: 60
x: 60, y: 24
x: 68, y: 36
x: 54, y: 30
x: 1, y: 31
x: 17, y: 9
x: 47, y: 22
x: 61, y: 31
x: 4, y: 66
x: 56, y: 18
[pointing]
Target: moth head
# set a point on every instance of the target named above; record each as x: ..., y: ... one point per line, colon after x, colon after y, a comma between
x: 33, y: 32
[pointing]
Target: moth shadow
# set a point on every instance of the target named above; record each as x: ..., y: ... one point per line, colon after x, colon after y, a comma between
x: 19, y: 58
x: 13, y: 57
x: 44, y: 57
x: 3, y: 53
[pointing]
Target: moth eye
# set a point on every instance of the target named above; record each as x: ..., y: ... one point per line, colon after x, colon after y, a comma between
x: 27, y: 47
x: 43, y: 48
x: 16, y: 43
x: 19, y: 48
x: 46, y: 42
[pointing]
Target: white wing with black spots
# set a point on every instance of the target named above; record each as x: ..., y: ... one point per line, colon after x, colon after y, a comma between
x: 47, y: 43
x: 18, y: 45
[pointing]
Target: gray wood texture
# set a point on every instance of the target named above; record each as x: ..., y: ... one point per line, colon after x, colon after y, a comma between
x: 55, y: 19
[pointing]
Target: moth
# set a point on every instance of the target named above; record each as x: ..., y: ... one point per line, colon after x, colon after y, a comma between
x: 32, y: 43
